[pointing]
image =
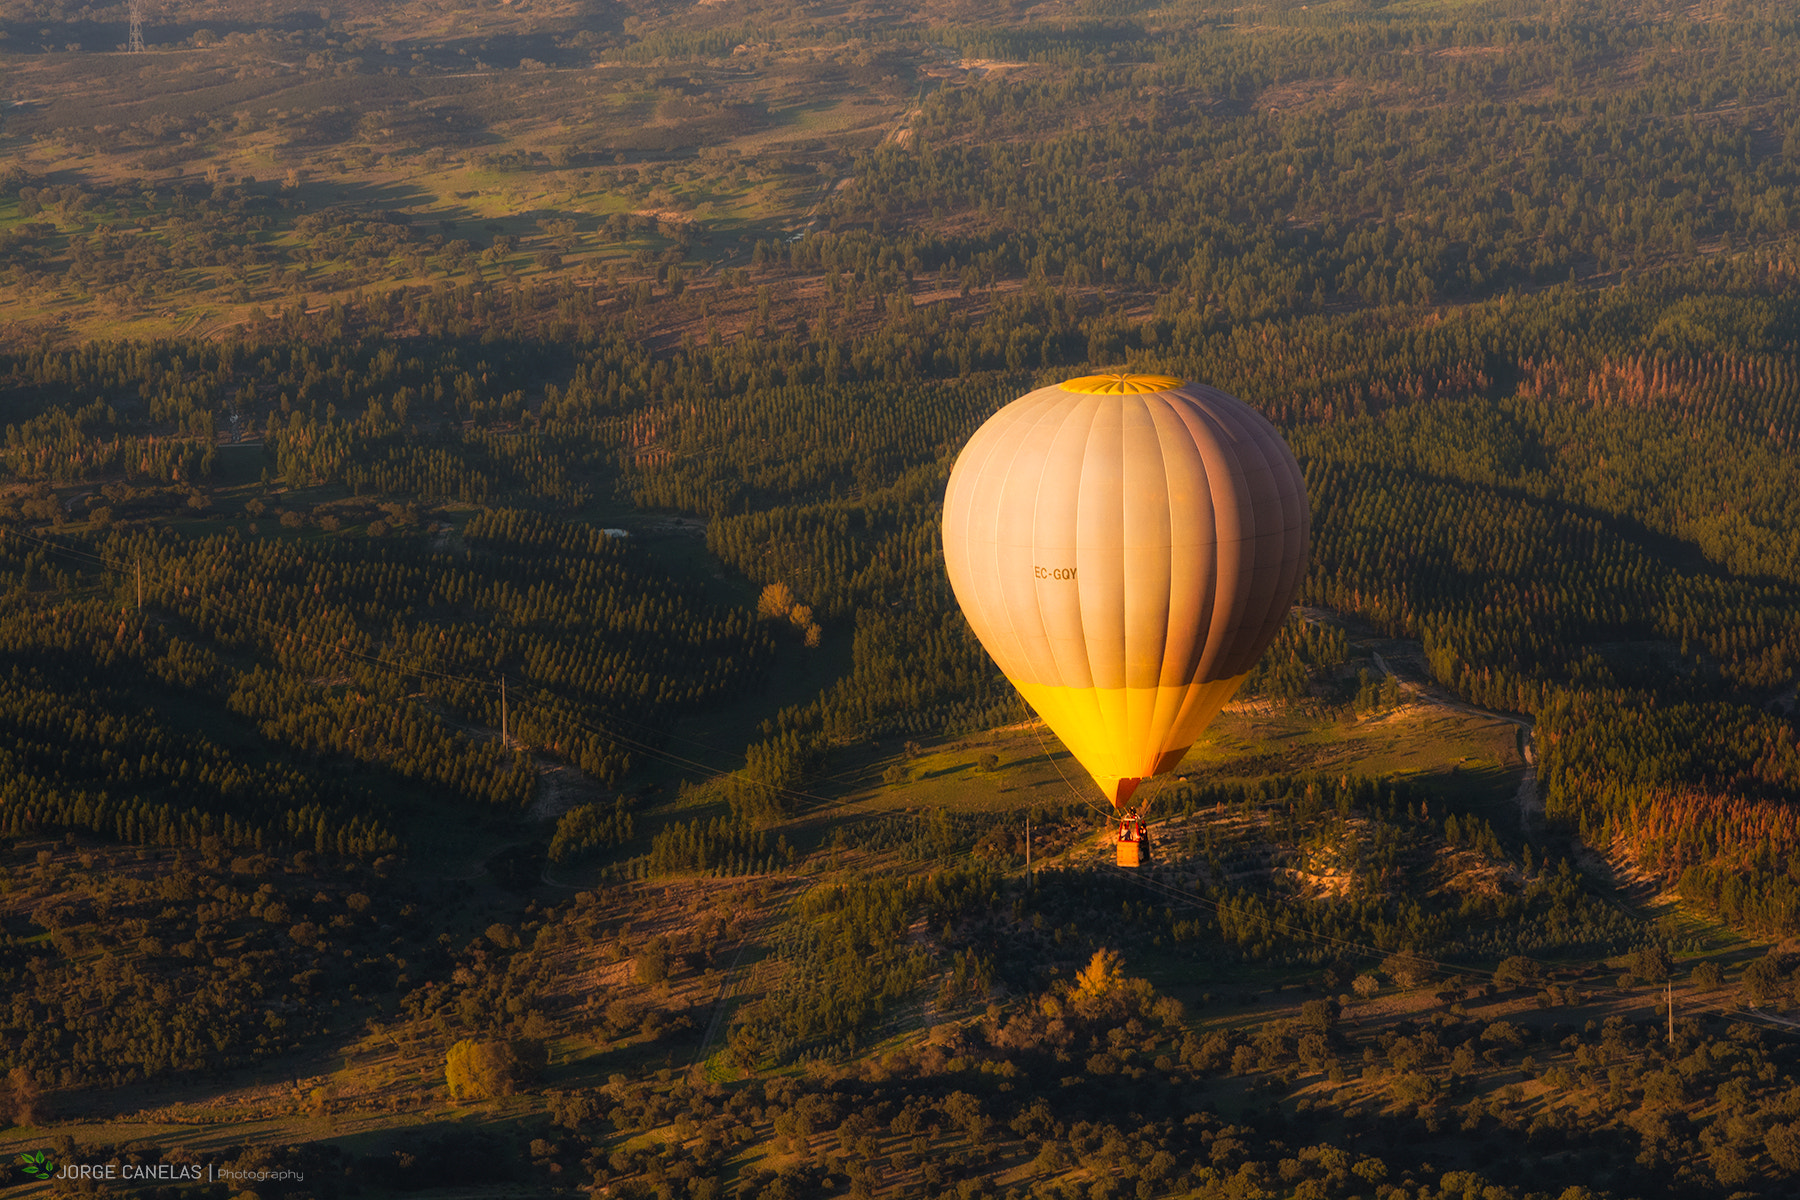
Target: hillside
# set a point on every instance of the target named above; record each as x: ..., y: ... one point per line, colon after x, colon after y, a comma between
x: 482, y: 712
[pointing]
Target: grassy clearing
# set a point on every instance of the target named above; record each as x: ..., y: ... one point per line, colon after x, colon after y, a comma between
x: 572, y: 149
x: 1472, y: 760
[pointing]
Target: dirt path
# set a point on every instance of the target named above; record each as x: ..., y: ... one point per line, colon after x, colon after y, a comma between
x: 899, y: 132
x: 1531, y: 804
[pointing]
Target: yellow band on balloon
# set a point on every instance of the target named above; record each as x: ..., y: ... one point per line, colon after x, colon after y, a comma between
x: 1120, y: 384
x: 1128, y: 734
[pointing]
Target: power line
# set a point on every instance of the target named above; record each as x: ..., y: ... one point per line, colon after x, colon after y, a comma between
x: 1150, y: 882
x: 1176, y: 892
x: 804, y: 801
x: 1440, y: 967
x: 281, y: 634
x: 1172, y: 891
x: 1038, y: 729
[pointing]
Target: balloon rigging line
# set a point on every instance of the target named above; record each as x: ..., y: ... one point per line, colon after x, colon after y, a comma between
x: 1447, y: 970
x: 1176, y: 892
x: 488, y: 685
x: 1038, y: 729
x: 72, y: 551
x: 406, y: 668
x: 283, y: 634
x: 809, y: 801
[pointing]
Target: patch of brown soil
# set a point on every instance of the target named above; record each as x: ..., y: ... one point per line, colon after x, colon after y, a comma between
x: 1467, y: 51
x: 1300, y: 93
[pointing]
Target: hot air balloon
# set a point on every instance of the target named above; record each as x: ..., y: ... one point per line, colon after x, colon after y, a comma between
x: 1125, y: 547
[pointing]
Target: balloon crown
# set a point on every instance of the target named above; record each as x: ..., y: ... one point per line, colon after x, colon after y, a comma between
x: 1120, y: 383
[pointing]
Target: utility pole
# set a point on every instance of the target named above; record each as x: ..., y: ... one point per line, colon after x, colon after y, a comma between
x: 504, y: 740
x: 137, y: 27
x: 1670, y: 998
x: 1028, y: 850
x: 140, y: 582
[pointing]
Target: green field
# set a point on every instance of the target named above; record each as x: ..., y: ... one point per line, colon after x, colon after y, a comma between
x: 371, y: 810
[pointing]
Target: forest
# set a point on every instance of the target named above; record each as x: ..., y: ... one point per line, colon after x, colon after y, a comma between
x: 482, y: 707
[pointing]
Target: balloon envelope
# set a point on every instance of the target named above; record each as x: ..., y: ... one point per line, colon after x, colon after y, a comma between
x: 1125, y: 547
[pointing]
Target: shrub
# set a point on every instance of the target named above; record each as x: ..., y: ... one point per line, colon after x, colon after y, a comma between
x: 1651, y: 963
x: 1406, y: 969
x: 653, y: 962
x: 1516, y: 972
x: 481, y: 1070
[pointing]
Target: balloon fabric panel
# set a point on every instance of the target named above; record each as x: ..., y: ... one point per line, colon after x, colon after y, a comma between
x: 1125, y: 548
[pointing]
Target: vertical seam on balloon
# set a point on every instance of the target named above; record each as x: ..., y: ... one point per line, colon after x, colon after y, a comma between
x: 1135, y: 749
x: 1037, y: 496
x: 1036, y: 508
x: 1016, y: 446
x: 1115, y: 736
x: 994, y: 546
x: 1087, y: 654
x: 1214, y: 428
x: 1193, y: 424
x: 1056, y: 418
x: 1203, y: 430
x: 1243, y: 446
x: 1159, y: 730
x: 1163, y: 455
x: 1125, y: 556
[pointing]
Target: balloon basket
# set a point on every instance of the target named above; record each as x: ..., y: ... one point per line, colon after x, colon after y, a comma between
x: 1131, y: 846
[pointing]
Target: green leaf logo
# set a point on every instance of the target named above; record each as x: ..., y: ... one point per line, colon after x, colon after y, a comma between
x: 37, y: 1165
